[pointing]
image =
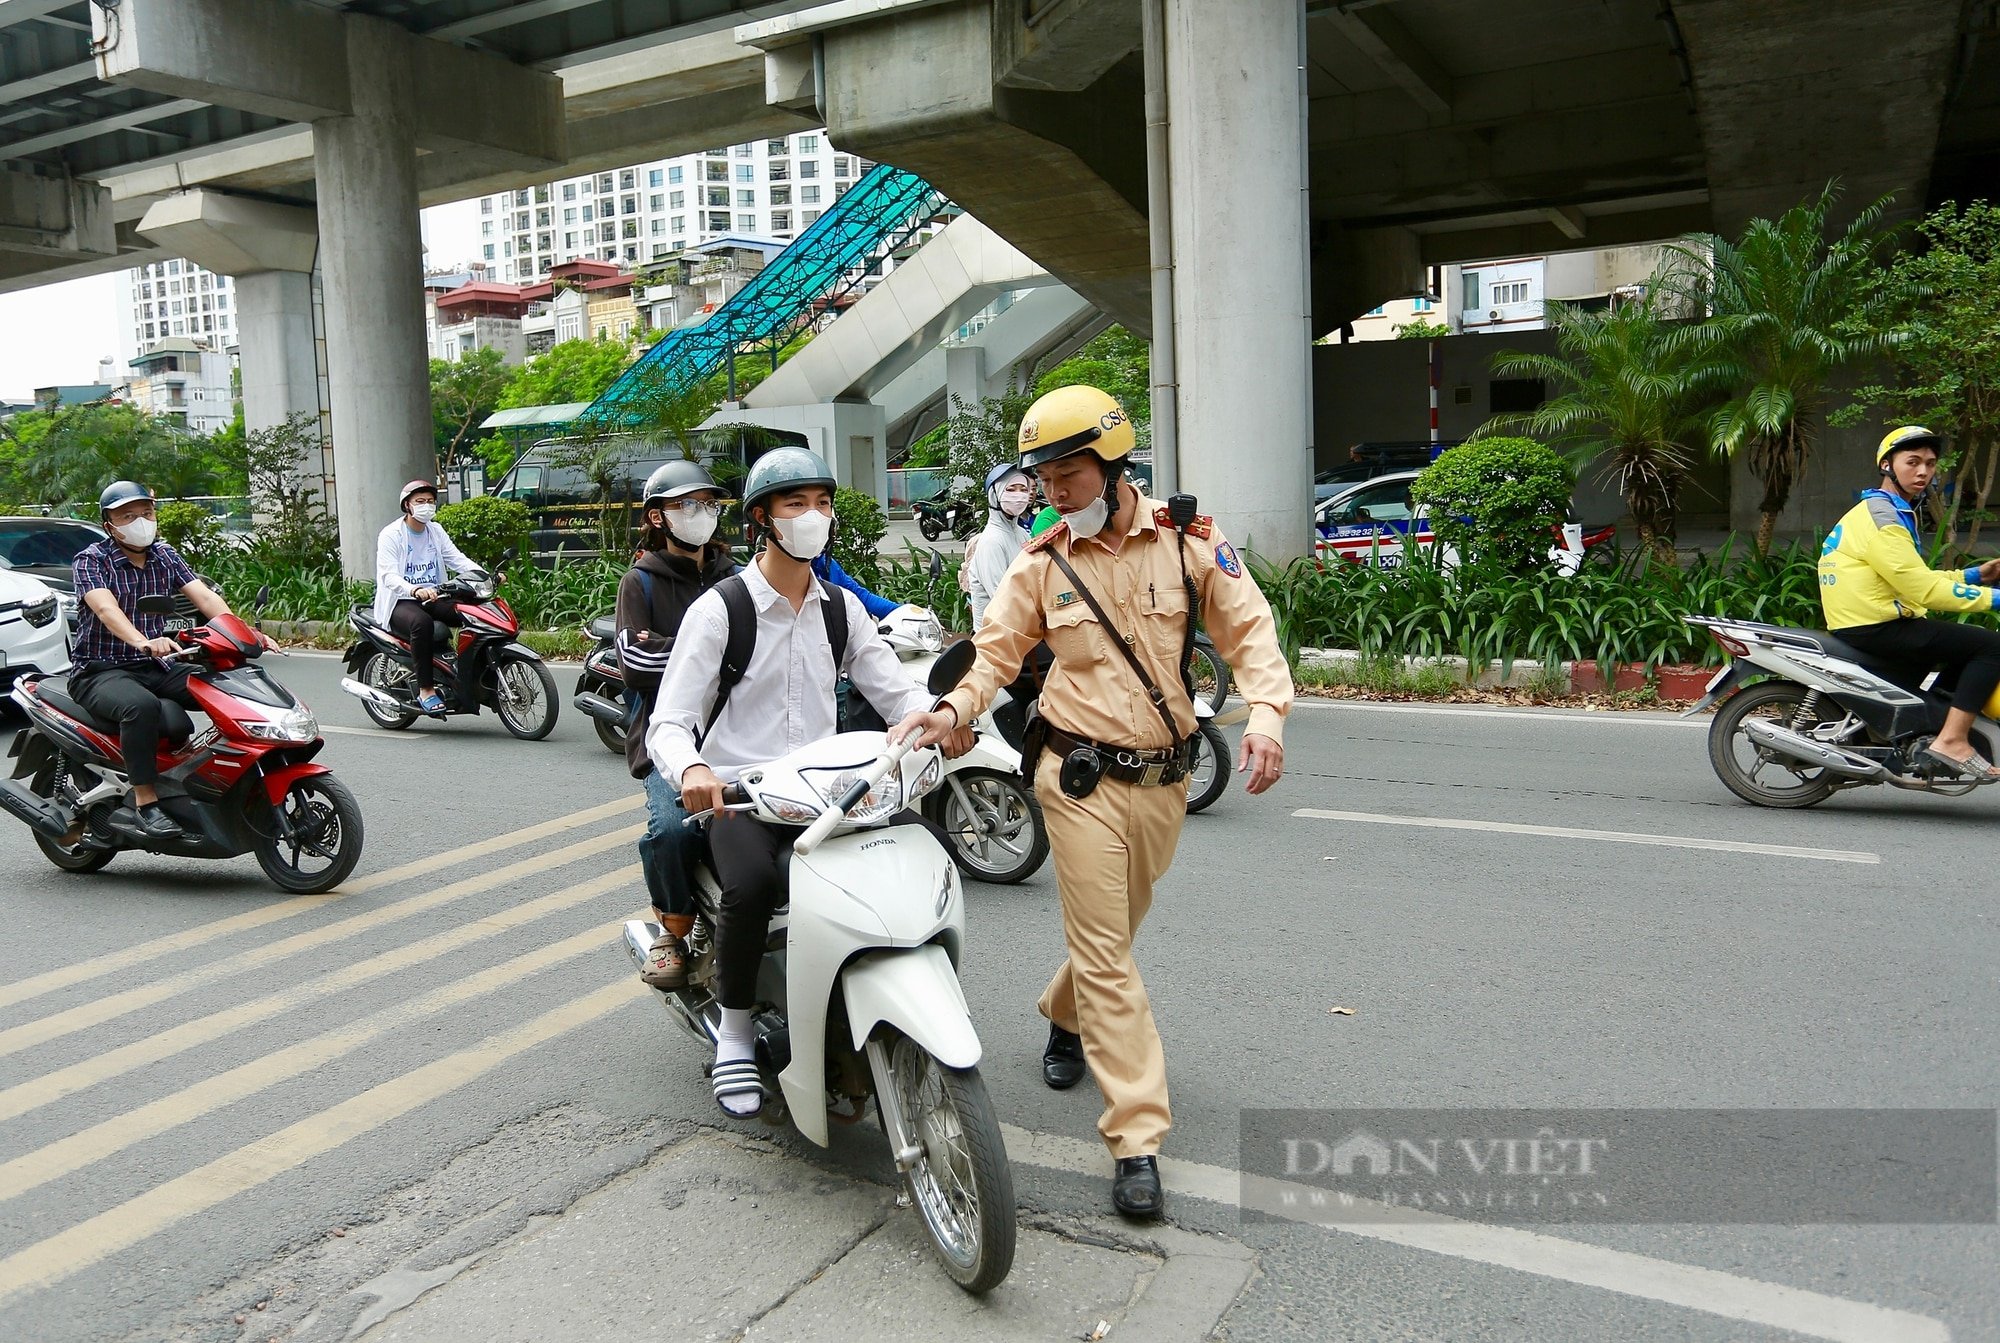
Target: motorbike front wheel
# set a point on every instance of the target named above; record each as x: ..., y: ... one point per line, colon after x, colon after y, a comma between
x: 961, y: 1185
x: 994, y: 824
x: 930, y: 527
x: 1754, y: 773
x: 1211, y: 673
x: 525, y: 698
x: 1208, y: 772
x: 384, y: 673
x: 323, y: 839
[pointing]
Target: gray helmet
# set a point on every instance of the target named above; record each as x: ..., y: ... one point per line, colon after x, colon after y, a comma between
x: 998, y: 477
x: 783, y: 469
x: 119, y: 493
x: 675, y: 479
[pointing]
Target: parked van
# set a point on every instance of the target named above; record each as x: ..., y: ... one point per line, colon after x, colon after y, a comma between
x: 564, y: 503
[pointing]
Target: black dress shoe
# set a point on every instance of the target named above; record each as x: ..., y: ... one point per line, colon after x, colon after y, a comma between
x: 156, y: 824
x: 1135, y: 1189
x: 1062, y: 1061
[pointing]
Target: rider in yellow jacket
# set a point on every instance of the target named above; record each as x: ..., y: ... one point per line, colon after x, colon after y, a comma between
x: 1876, y: 591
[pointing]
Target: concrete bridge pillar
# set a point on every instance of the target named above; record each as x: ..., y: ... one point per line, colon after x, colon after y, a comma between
x: 1241, y: 285
x: 372, y: 253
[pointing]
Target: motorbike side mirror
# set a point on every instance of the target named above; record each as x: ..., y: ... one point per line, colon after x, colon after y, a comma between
x: 262, y: 599
x: 951, y: 667
x: 157, y: 605
x: 937, y: 566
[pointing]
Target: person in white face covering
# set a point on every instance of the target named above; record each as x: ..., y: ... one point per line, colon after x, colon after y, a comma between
x: 1010, y: 497
x: 413, y: 557
x: 803, y: 632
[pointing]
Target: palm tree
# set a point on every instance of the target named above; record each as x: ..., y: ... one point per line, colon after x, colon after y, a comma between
x: 1789, y: 307
x: 1637, y: 389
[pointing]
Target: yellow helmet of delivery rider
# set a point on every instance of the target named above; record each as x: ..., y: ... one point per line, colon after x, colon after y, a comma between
x: 1909, y: 436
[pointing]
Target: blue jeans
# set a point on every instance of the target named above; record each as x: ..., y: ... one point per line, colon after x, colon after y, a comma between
x: 665, y: 850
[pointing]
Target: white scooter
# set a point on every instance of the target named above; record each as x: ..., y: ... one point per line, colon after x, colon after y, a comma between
x: 860, y: 997
x: 994, y: 822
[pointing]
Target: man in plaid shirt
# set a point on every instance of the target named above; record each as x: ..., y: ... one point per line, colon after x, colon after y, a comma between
x: 119, y: 675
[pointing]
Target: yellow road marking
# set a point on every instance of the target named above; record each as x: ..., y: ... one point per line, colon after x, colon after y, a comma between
x: 40, y: 1091
x: 153, y: 948
x: 97, y: 1239
x: 112, y: 1006
x: 114, y: 1135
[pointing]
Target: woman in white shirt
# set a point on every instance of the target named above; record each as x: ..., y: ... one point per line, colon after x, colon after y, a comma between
x: 413, y: 556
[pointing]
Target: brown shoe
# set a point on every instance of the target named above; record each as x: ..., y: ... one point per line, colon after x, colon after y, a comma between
x: 666, y: 966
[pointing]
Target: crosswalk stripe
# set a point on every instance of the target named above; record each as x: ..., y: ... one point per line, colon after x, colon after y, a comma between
x: 112, y: 1006
x: 31, y: 1170
x: 112, y: 962
x: 91, y: 1242
x: 53, y: 1086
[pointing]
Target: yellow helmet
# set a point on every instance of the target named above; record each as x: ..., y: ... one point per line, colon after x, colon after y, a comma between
x: 1909, y: 436
x: 1075, y: 419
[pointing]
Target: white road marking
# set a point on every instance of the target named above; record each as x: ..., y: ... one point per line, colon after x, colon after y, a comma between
x: 370, y: 732
x: 1619, y: 717
x: 1605, y: 836
x: 1620, y: 1271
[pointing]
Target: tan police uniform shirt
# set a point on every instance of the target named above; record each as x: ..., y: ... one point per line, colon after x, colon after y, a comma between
x: 1092, y: 691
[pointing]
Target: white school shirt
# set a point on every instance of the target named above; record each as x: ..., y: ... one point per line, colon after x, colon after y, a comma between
x: 785, y: 699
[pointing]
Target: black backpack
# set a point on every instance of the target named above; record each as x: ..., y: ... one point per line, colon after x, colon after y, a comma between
x: 742, y: 640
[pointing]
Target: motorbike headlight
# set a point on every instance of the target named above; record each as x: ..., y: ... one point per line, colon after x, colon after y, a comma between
x: 297, y: 724
x: 886, y: 798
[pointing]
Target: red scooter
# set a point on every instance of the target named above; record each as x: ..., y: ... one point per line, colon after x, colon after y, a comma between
x: 482, y: 662
x: 245, y: 784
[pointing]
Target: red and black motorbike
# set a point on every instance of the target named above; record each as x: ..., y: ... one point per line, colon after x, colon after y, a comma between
x: 245, y: 784
x: 482, y: 662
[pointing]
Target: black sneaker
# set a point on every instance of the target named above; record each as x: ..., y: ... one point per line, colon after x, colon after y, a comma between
x: 1062, y: 1061
x: 156, y: 824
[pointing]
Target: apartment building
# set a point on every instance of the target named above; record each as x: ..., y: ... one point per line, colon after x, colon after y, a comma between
x: 1507, y: 294
x: 185, y: 381
x: 169, y: 299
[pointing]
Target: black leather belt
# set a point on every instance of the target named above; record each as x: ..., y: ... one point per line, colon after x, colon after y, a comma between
x: 1147, y: 767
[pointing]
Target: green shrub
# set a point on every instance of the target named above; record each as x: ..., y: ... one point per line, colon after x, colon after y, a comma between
x: 910, y: 581
x: 486, y: 527
x: 1496, y: 499
x: 859, y: 527
x: 190, y: 529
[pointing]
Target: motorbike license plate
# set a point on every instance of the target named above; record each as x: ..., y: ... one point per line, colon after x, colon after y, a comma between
x: 179, y: 624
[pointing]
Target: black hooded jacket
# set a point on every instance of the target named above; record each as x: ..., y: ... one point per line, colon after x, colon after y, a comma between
x: 646, y: 630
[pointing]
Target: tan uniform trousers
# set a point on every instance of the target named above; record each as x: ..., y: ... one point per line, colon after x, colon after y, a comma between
x: 1109, y: 849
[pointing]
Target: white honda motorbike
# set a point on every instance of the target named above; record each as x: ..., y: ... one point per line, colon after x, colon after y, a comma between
x: 1805, y: 715
x: 858, y: 997
x: 985, y: 806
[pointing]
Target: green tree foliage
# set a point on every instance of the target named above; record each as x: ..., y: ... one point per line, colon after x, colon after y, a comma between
x: 190, y: 529
x: 859, y: 526
x: 978, y: 438
x: 1114, y: 361
x: 1496, y: 499
x: 574, y: 370
x: 1943, y: 305
x: 279, y: 466
x: 1791, y: 304
x: 1420, y: 329
x: 487, y: 527
x: 1635, y: 395
x: 463, y: 393
x: 68, y: 456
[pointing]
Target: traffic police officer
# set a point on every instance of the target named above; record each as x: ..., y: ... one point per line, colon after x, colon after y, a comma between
x: 1109, y: 589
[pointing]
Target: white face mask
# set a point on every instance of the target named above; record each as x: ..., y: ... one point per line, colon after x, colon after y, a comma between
x: 423, y: 512
x: 1089, y: 520
x: 1014, y: 500
x: 805, y: 536
x: 138, y: 533
x: 690, y: 526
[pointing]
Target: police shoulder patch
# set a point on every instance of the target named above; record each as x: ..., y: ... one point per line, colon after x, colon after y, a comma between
x: 1225, y: 560
x: 1041, y: 542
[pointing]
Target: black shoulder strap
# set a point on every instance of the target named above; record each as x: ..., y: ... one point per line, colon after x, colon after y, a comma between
x: 1113, y: 636
x: 736, y: 651
x: 834, y: 609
